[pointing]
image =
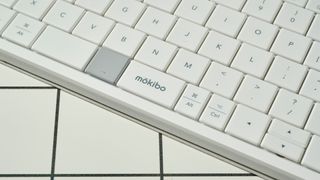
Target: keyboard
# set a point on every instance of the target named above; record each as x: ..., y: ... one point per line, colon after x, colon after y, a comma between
x: 240, y: 78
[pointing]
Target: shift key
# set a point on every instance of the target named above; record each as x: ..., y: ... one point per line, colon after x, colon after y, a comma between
x: 151, y: 84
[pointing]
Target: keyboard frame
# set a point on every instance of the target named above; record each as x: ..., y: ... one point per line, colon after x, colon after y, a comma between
x: 154, y: 116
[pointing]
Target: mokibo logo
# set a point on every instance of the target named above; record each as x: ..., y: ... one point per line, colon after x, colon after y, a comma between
x: 151, y: 83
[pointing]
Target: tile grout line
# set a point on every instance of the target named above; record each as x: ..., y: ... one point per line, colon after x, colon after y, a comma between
x: 55, y: 135
x: 161, y: 156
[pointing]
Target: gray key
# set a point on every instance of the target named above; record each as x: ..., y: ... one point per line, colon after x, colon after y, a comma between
x: 107, y: 65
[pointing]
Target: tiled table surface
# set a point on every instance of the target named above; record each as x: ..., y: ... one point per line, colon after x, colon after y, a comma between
x: 46, y: 133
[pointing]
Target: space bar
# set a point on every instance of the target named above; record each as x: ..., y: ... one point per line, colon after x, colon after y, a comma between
x: 151, y: 84
x: 64, y: 47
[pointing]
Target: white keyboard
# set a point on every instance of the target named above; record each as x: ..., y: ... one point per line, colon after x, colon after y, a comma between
x: 239, y: 78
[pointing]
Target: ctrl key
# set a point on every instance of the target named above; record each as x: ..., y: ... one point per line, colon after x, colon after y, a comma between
x: 107, y: 65
x: 311, y: 158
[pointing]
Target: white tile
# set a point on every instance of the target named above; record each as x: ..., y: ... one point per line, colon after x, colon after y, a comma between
x: 179, y: 158
x: 11, y: 77
x: 214, y: 178
x: 24, y: 178
x: 106, y: 178
x: 93, y: 140
x: 26, y: 130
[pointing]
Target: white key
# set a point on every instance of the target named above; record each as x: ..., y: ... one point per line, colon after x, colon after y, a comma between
x: 291, y: 108
x: 313, y: 58
x: 289, y: 133
x: 33, y: 8
x: 8, y: 3
x: 188, y: 66
x: 156, y: 22
x: 222, y: 80
x: 311, y: 157
x: 282, y: 147
x: 187, y: 35
x: 93, y: 28
x: 197, y: 11
x: 314, y: 5
x: 64, y: 47
x: 311, y: 86
x: 151, y: 84
x: 294, y: 18
x: 258, y: 33
x: 166, y: 5
x: 218, y: 112
x: 313, y: 123
x: 291, y: 45
x: 126, y: 11
x: 235, y: 4
x: 63, y: 15
x: 5, y: 16
x: 124, y: 40
x: 23, y: 30
x: 301, y: 3
x: 286, y: 73
x: 70, y: 1
x: 156, y: 53
x: 98, y: 6
x: 192, y: 101
x: 252, y: 60
x: 248, y: 124
x: 315, y: 28
x: 219, y: 47
x: 263, y: 9
x: 226, y: 20
x: 256, y: 93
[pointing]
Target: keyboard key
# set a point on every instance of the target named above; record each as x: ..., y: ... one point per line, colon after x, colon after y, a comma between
x: 282, y: 147
x: 235, y: 4
x: 252, y: 60
x: 188, y: 66
x: 311, y: 158
x: 94, y: 28
x: 315, y: 28
x: 107, y: 65
x: 187, y: 35
x: 226, y: 20
x: 124, y: 40
x: 256, y: 93
x: 311, y: 85
x: 313, y: 123
x: 166, y: 5
x: 33, y: 8
x: 8, y: 3
x: 294, y: 18
x: 23, y: 30
x: 126, y: 11
x: 222, y: 80
x: 291, y: 108
x: 192, y: 101
x: 218, y: 112
x: 64, y: 47
x: 258, y: 33
x: 263, y: 9
x: 289, y: 133
x: 5, y: 16
x: 248, y: 124
x: 97, y: 6
x: 313, y: 5
x: 151, y: 84
x: 301, y: 3
x: 219, y: 47
x: 291, y: 45
x: 63, y: 15
x: 286, y: 73
x: 156, y: 23
x: 313, y: 58
x: 197, y: 11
